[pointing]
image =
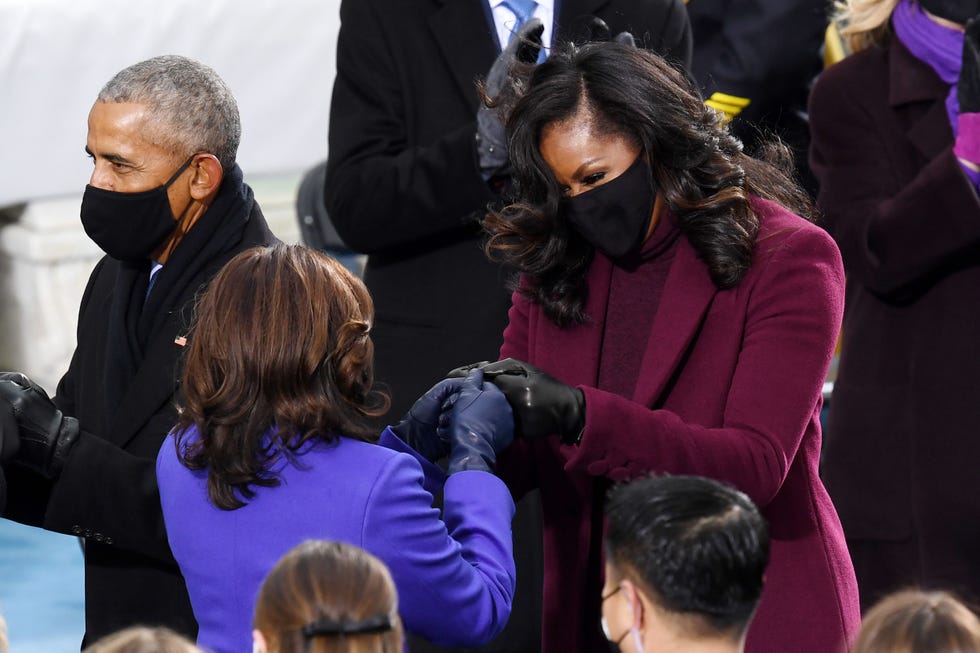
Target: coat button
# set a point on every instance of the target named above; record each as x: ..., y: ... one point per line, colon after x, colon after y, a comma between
x: 76, y: 530
x: 108, y: 540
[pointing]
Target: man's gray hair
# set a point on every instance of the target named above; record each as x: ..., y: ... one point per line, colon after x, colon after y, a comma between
x: 191, y: 109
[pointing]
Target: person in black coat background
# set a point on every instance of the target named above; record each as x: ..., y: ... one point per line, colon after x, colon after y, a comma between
x: 754, y: 61
x: 166, y: 199
x: 404, y: 185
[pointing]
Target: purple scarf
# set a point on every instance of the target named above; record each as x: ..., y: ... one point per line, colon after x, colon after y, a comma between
x: 940, y: 47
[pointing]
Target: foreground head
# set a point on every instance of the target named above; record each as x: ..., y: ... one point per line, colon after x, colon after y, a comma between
x: 140, y: 639
x: 914, y: 621
x: 323, y: 597
x: 169, y: 125
x: 281, y: 341
x: 685, y: 558
x: 602, y: 114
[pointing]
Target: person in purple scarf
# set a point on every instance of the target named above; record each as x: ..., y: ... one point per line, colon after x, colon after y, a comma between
x: 896, y: 150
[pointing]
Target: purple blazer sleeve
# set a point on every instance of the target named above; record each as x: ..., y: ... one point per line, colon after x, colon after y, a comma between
x: 455, y: 576
x: 861, y: 155
x: 793, y: 318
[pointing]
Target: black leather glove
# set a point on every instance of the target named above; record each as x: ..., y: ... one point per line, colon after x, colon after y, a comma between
x: 968, y: 86
x: 480, y: 425
x: 9, y: 443
x: 599, y: 31
x: 491, y: 135
x: 542, y: 404
x: 417, y: 428
x: 46, y: 435
x: 9, y: 432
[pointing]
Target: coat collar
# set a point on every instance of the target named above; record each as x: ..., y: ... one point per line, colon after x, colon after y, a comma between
x: 688, y: 293
x: 913, y: 83
x: 910, y: 78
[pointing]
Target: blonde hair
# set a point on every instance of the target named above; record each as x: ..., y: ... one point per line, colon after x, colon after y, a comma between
x: 863, y: 23
x: 914, y: 621
x: 140, y: 639
x: 318, y: 582
x: 4, y: 644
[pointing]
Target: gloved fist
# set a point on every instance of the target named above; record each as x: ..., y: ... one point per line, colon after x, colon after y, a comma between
x: 480, y: 424
x: 9, y: 432
x: 599, y: 31
x: 46, y: 435
x: 491, y: 135
x: 418, y: 428
x: 542, y: 404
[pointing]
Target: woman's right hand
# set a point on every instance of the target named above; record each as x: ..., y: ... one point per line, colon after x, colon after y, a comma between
x: 418, y: 428
x: 480, y: 425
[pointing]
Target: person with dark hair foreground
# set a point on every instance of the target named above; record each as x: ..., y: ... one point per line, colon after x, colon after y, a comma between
x: 675, y: 316
x: 916, y: 621
x: 272, y: 447
x: 685, y: 559
x: 327, y: 597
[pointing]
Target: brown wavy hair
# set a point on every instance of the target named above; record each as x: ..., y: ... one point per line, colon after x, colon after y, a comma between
x: 280, y: 355
x: 696, y: 162
x: 320, y: 580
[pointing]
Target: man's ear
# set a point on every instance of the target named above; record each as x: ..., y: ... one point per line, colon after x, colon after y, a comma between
x: 634, y: 601
x: 207, y: 177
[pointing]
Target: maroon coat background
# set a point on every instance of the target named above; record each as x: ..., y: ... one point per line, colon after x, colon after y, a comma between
x: 730, y: 388
x: 903, y: 438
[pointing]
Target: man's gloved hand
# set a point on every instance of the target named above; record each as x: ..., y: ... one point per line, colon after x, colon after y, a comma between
x: 46, y: 435
x: 9, y: 432
x: 967, y: 145
x: 480, y: 425
x: 599, y: 31
x: 417, y: 428
x: 491, y: 135
x: 542, y: 404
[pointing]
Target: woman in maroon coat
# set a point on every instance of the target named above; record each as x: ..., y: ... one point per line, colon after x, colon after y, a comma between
x: 896, y: 149
x: 673, y: 316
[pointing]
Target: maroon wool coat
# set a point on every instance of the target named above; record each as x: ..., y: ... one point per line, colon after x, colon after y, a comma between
x: 903, y: 437
x: 729, y: 388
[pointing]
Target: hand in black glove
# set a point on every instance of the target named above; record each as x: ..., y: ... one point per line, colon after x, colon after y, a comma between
x: 599, y: 31
x: 480, y: 425
x: 968, y: 86
x: 542, y: 404
x: 46, y: 435
x: 9, y: 432
x: 418, y: 428
x: 491, y: 136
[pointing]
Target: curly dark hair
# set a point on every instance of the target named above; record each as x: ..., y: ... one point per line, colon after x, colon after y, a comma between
x: 279, y: 355
x: 705, y: 178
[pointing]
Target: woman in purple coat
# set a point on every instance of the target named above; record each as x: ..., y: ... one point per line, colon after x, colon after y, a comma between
x: 272, y: 449
x: 675, y: 315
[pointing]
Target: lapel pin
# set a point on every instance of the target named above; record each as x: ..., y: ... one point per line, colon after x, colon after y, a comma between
x: 181, y: 341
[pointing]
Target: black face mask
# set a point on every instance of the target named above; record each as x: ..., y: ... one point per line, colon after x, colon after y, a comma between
x: 958, y: 11
x: 129, y: 226
x: 615, y: 217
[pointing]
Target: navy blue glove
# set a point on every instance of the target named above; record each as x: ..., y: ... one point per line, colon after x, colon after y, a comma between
x: 46, y: 434
x: 418, y: 428
x: 542, y: 404
x: 480, y: 424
